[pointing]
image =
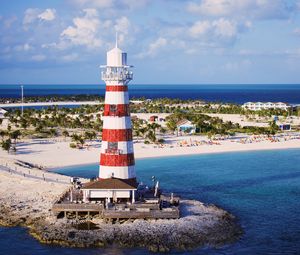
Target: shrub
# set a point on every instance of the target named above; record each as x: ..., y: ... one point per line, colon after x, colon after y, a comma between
x: 72, y: 145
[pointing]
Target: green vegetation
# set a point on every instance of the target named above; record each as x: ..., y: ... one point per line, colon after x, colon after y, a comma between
x: 84, y: 123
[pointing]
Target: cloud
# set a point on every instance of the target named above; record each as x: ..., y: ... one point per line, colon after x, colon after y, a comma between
x: 94, y: 3
x: 48, y: 15
x: 9, y: 21
x: 31, y: 14
x: 24, y: 47
x: 200, y: 28
x: 296, y: 31
x: 84, y: 30
x: 233, y: 66
x: 113, y: 5
x: 221, y: 28
x: 122, y: 25
x: 260, y: 9
x: 153, y: 48
x: 69, y: 58
x: 38, y: 57
x: 218, y: 32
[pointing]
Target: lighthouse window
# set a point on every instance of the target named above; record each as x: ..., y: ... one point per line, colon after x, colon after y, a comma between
x: 112, y: 146
x: 112, y: 108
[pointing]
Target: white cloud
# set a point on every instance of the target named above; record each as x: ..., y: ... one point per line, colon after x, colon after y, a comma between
x: 261, y: 9
x: 213, y: 30
x: 296, y: 31
x: 153, y: 48
x: 224, y: 28
x: 38, y: 57
x: 84, y: 30
x: 200, y: 28
x: 233, y: 66
x: 114, y: 5
x: 122, y: 25
x: 24, y: 47
x: 9, y: 22
x: 31, y: 15
x: 48, y: 15
x: 71, y: 57
x: 94, y: 3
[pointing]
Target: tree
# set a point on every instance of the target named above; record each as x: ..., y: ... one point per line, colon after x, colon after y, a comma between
x: 273, y: 127
x: 52, y: 132
x: 6, y: 145
x: 90, y: 135
x: 15, y: 135
x: 65, y: 133
x: 2, y: 134
x: 78, y: 139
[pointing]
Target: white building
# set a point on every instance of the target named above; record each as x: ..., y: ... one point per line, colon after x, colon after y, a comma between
x: 2, y: 112
x: 110, y: 190
x: 186, y: 126
x: 258, y: 106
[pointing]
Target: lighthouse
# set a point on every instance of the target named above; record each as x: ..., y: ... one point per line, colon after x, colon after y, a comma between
x: 117, y: 156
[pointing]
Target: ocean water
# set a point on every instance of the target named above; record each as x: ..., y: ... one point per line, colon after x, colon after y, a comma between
x: 261, y: 188
x: 219, y: 93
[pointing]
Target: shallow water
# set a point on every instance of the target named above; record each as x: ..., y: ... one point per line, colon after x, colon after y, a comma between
x: 261, y: 188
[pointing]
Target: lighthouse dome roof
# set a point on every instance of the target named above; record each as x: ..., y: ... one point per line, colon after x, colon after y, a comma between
x: 116, y: 57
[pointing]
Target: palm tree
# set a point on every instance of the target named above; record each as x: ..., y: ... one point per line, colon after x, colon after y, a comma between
x: 65, y: 133
x: 6, y: 145
x: 15, y: 135
x: 2, y: 134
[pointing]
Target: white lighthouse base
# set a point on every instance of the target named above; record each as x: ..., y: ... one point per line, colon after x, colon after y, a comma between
x: 121, y: 172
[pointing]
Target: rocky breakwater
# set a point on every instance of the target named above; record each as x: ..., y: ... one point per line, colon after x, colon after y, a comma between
x: 28, y: 202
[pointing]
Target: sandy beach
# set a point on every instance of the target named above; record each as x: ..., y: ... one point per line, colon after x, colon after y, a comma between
x: 57, y: 153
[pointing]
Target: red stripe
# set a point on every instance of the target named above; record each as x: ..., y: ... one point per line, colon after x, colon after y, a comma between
x: 116, y: 88
x: 121, y: 110
x: 117, y: 160
x: 117, y: 135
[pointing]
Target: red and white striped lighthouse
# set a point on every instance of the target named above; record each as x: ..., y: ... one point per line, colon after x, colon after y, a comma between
x: 117, y: 157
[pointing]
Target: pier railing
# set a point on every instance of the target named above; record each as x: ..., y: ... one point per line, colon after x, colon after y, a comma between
x: 33, y: 173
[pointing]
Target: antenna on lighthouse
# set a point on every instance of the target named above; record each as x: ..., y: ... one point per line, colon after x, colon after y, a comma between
x: 116, y: 39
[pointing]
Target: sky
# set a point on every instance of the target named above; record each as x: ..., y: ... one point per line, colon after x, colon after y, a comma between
x: 167, y: 41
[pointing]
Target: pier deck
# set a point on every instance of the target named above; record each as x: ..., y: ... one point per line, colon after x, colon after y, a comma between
x: 162, y: 209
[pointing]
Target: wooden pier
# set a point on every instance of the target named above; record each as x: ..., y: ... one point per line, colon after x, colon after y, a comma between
x: 138, y: 210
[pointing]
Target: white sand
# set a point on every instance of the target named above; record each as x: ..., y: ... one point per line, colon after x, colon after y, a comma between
x: 52, y: 154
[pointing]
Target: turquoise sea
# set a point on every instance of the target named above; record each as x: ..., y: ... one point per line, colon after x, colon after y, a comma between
x: 261, y: 188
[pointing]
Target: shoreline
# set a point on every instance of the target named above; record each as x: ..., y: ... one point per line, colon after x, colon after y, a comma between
x: 54, y: 154
x: 53, y: 169
x: 26, y: 202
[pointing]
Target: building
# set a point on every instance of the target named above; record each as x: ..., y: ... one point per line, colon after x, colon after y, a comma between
x: 117, y: 178
x: 186, y: 126
x: 110, y: 190
x: 2, y: 112
x: 284, y: 127
x: 258, y: 106
x: 153, y: 118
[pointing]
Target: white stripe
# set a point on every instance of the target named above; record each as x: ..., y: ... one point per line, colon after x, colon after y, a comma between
x: 122, y: 172
x: 116, y: 83
x: 116, y: 97
x: 124, y: 147
x: 112, y: 122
